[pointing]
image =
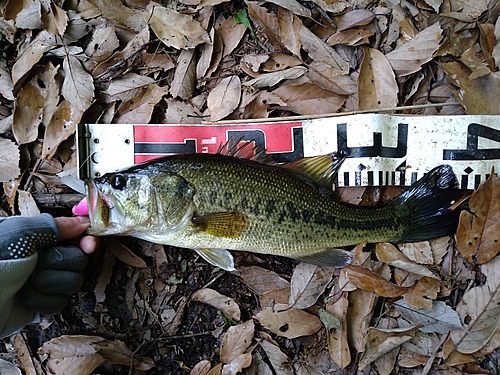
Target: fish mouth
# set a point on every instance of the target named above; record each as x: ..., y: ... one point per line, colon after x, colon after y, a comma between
x: 103, y: 213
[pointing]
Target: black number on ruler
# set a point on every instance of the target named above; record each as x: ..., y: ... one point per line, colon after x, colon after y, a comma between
x: 188, y: 146
x: 472, y: 152
x: 258, y: 137
x: 377, y: 149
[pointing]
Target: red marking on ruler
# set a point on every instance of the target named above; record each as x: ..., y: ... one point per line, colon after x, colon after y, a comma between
x: 278, y: 136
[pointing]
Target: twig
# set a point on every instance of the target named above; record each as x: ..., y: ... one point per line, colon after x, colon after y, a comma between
x: 327, y: 115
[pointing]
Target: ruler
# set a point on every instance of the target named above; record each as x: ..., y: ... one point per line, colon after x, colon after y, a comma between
x: 381, y: 149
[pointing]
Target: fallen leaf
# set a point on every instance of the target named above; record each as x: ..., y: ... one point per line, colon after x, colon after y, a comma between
x: 266, y: 21
x: 338, y: 345
x: 361, y: 305
x: 271, y: 79
x: 419, y: 252
x: 289, y: 25
x: 453, y: 357
x: 370, y: 281
x: 55, y: 20
x: 377, y: 87
x: 26, y: 203
x: 201, y: 368
x: 354, y: 18
x: 387, y: 253
x: 175, y: 29
x: 78, y: 85
x: 62, y: 125
x: 140, y: 108
x: 28, y: 112
x: 309, y: 99
x: 213, y: 298
x: 421, y: 295
x: 6, y: 85
x: 288, y: 322
x: 7, y: 368
x: 475, y: 95
x: 279, y: 361
x: 236, y: 341
x: 9, y: 159
x: 224, y: 98
x: 442, y: 318
x: 409, y: 57
x: 123, y: 253
x: 381, y: 341
x: 185, y: 75
x: 237, y: 364
x: 308, y: 283
x: 82, y: 354
x: 478, y: 230
x: 121, y: 15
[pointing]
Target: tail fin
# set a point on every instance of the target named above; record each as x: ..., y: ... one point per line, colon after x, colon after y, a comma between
x: 428, y: 206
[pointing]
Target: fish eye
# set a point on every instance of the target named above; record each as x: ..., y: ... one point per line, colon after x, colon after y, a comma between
x: 118, y: 181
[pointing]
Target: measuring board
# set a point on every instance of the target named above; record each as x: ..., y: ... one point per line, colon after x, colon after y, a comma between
x: 381, y: 149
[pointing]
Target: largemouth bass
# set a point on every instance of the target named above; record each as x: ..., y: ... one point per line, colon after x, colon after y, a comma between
x: 213, y: 203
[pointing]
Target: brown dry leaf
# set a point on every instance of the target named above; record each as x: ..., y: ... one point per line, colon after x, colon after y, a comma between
x: 370, y: 281
x: 309, y: 99
x: 224, y: 98
x: 288, y: 322
x: 31, y: 55
x: 26, y: 203
x: 453, y: 357
x: 54, y: 19
x: 354, y: 18
x: 140, y: 109
x: 6, y: 85
x: 377, y: 87
x: 27, y: 13
x: 474, y: 59
x: 271, y: 79
x: 261, y: 280
x: 201, y: 368
x: 479, y: 311
x: 322, y: 74
x: 231, y: 34
x: 338, y: 345
x: 9, y: 159
x: 185, y: 75
x: 278, y: 360
x: 121, y: 15
x: 319, y: 51
x: 50, y: 91
x: 421, y: 295
x: 123, y: 253
x: 104, y: 42
x: 381, y: 341
x: 213, y: 298
x: 478, y: 230
x: 266, y: 21
x: 351, y: 37
x: 273, y: 296
x: 78, y: 85
x: 408, y: 58
x: 477, y: 96
x: 205, y: 57
x: 289, y: 25
x: 361, y: 305
x: 387, y: 253
x: 82, y: 354
x: 62, y: 124
x: 127, y: 86
x: 419, y: 252
x: 180, y: 112
x: 28, y: 111
x: 236, y: 341
x: 175, y: 29
x: 308, y: 283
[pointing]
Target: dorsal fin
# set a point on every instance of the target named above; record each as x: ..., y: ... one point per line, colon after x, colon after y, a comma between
x: 245, y: 150
x: 319, y: 169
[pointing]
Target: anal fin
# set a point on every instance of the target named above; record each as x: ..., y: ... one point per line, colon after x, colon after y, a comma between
x: 218, y: 257
x: 336, y: 258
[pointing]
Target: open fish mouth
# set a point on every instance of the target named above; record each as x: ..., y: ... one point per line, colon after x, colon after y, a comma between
x: 99, y: 208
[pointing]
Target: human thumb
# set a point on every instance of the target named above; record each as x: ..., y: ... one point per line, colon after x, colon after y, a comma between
x: 72, y: 227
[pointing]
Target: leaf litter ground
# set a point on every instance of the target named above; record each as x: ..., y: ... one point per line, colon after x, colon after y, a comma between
x: 423, y: 308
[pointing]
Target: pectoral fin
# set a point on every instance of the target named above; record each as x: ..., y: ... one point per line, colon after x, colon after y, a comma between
x: 336, y: 258
x: 218, y: 257
x: 222, y: 224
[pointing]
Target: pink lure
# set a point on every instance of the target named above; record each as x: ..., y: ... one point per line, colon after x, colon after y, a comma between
x: 81, y: 209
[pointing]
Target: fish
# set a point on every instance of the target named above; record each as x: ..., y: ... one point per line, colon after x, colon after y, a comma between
x: 222, y: 202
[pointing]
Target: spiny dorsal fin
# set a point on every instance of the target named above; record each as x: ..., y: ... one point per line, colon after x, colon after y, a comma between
x: 222, y: 224
x: 319, y: 169
x: 245, y: 150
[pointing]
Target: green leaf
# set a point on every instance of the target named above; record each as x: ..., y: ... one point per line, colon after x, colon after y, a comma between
x: 242, y: 17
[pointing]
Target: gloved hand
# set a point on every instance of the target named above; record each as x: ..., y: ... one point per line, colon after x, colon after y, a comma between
x: 35, y: 275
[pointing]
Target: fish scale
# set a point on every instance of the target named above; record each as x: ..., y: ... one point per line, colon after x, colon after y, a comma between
x: 240, y: 204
